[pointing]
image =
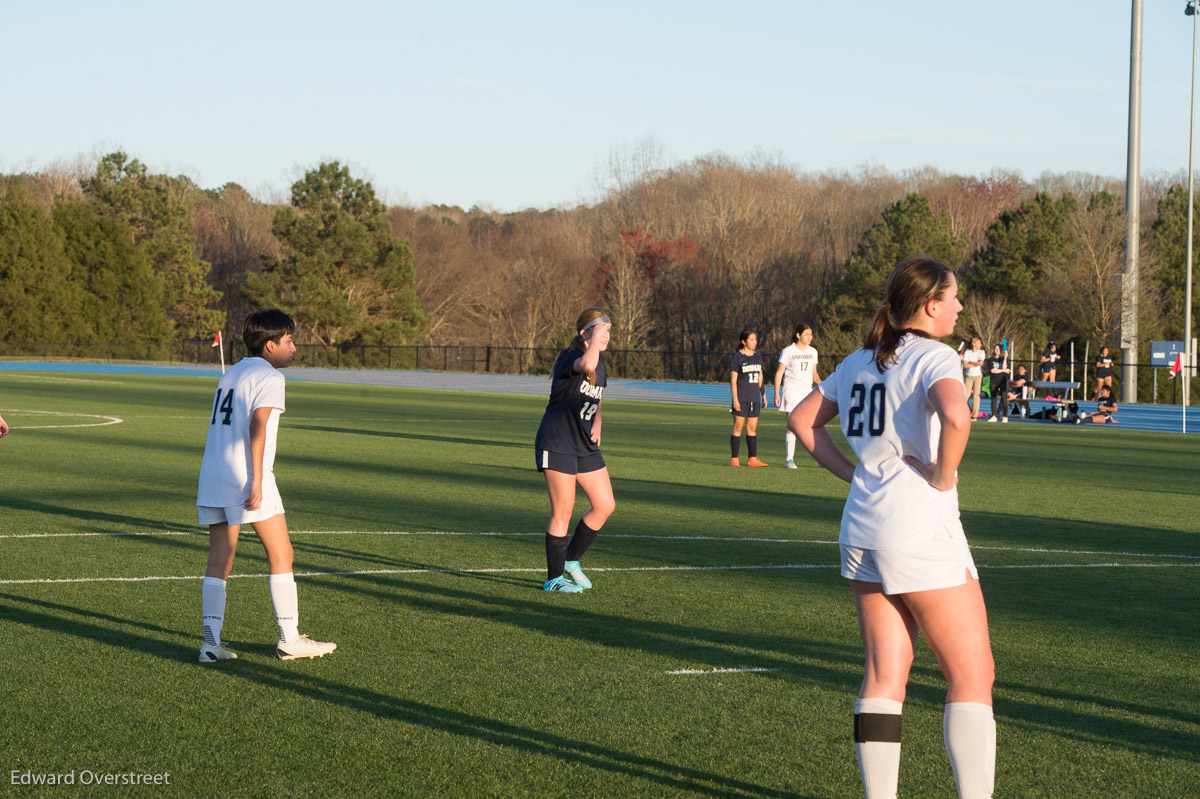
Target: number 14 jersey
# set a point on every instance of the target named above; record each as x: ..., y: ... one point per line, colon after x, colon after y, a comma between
x: 885, y: 416
x: 249, y: 384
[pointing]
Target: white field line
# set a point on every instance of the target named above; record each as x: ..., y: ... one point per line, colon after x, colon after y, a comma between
x: 746, y: 670
x: 507, y: 570
x: 732, y: 540
x: 18, y: 427
x: 56, y: 379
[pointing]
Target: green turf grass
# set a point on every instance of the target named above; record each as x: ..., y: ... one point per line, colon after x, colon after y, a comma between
x: 457, y: 683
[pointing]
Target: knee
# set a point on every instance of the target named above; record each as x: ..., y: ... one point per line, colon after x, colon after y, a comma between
x: 605, y: 507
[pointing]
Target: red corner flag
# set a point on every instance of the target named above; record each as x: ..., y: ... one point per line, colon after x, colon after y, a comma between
x: 217, y: 340
x: 1176, y: 367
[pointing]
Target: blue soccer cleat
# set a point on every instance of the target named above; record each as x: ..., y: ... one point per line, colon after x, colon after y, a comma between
x: 563, y: 585
x: 571, y: 567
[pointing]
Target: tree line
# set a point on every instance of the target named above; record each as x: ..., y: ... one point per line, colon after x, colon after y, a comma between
x: 685, y: 255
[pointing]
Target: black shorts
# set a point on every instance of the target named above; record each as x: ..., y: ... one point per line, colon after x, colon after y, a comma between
x: 750, y: 407
x: 568, y: 464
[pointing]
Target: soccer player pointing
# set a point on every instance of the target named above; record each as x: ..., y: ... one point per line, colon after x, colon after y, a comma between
x: 237, y: 485
x: 902, y: 408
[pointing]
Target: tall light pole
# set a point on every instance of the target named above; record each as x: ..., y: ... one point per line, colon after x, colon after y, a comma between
x: 1187, y: 291
x: 1133, y: 216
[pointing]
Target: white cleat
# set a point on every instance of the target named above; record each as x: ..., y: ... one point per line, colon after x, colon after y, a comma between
x: 211, y: 654
x: 304, y: 647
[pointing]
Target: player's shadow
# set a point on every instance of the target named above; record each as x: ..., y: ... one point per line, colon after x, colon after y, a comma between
x: 114, y: 631
x: 301, y: 544
x: 414, y: 436
x: 795, y: 658
x: 106, y: 520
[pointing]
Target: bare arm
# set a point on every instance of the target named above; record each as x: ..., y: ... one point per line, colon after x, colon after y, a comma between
x: 779, y: 370
x: 596, y: 426
x: 591, y: 356
x: 807, y: 422
x: 949, y: 403
x: 3, y: 427
x: 733, y: 376
x: 258, y: 446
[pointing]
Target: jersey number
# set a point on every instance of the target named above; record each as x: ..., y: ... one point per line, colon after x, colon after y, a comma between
x: 224, y: 406
x: 588, y: 411
x: 874, y: 408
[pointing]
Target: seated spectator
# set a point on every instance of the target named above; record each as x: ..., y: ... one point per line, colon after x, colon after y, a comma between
x: 1105, y: 413
x: 1016, y: 391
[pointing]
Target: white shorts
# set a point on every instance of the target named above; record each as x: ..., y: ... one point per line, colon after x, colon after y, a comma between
x: 941, y: 563
x: 789, y: 398
x: 271, y: 505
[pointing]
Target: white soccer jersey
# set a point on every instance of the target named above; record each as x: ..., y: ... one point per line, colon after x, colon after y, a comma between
x: 885, y: 417
x: 250, y: 384
x: 800, y: 365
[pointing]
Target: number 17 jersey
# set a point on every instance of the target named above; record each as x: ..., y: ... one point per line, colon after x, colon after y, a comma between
x: 885, y: 416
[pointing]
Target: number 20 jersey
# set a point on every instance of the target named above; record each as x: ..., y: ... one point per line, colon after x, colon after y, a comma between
x: 249, y: 384
x: 885, y: 416
x: 567, y: 424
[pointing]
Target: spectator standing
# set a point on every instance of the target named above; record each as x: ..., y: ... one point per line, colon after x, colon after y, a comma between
x: 972, y: 361
x: 998, y: 388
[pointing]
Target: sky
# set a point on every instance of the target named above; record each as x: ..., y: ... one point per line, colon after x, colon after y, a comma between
x: 521, y: 104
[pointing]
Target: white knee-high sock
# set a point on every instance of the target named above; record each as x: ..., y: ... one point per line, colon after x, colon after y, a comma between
x: 287, y: 611
x: 970, y: 732
x: 877, y: 739
x: 791, y: 446
x: 212, y: 606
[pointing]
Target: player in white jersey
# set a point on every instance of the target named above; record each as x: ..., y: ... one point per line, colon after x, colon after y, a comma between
x: 237, y: 485
x: 797, y: 373
x: 903, y: 412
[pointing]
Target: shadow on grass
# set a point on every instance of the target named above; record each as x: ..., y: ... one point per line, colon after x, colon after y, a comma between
x: 88, y: 625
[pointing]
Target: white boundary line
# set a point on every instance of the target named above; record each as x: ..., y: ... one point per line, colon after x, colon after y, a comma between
x: 752, y: 567
x: 111, y: 419
x: 746, y: 670
x: 730, y: 539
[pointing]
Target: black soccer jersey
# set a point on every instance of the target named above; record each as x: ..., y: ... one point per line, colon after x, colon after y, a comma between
x: 999, y: 379
x: 1104, y: 366
x: 567, y: 424
x: 749, y: 371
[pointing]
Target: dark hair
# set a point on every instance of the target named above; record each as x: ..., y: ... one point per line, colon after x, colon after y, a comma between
x: 746, y: 333
x: 586, y: 317
x: 264, y: 326
x: 914, y: 282
x: 800, y: 328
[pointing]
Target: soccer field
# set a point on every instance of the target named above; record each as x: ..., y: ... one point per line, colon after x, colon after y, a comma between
x: 717, y: 655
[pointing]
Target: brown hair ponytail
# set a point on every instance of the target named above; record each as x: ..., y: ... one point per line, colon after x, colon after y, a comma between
x: 914, y: 282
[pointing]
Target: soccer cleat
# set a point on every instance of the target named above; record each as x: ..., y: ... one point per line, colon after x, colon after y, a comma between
x: 1004, y: 420
x: 993, y: 418
x: 734, y: 462
x: 755, y: 462
x: 788, y: 464
x: 563, y: 585
x: 211, y: 654
x: 303, y: 647
x: 576, y: 574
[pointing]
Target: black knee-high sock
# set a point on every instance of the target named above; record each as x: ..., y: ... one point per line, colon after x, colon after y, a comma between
x: 583, y: 538
x: 752, y: 445
x: 556, y: 555
x: 735, y: 445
